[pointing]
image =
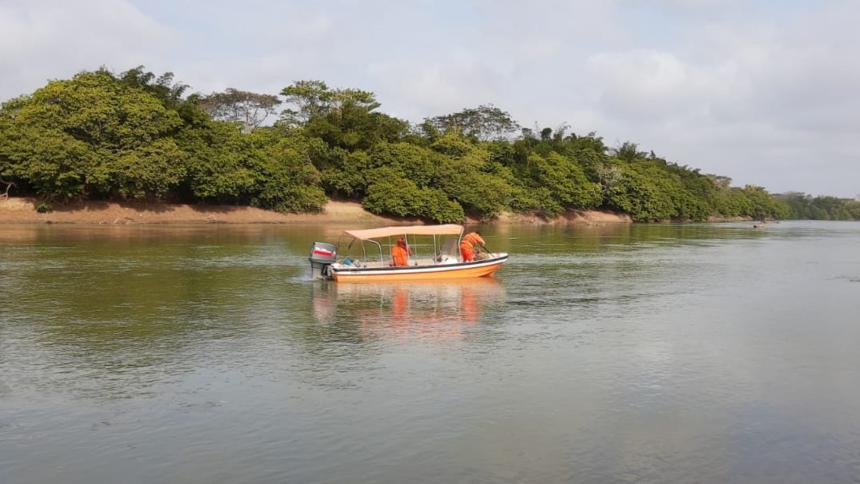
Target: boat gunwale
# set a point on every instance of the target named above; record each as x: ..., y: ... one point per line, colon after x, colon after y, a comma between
x: 438, y: 267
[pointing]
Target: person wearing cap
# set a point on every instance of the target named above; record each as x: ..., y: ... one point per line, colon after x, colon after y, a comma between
x: 468, y: 244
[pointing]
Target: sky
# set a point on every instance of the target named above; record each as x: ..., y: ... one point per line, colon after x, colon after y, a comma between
x: 765, y: 92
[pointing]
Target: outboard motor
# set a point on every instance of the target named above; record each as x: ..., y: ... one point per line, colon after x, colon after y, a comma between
x: 322, y: 257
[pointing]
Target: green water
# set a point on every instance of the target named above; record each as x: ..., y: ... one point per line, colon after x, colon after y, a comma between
x: 646, y: 353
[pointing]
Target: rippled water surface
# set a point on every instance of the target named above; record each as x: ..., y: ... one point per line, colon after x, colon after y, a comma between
x: 665, y: 353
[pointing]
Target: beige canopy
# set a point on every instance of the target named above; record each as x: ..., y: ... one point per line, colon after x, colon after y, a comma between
x: 448, y: 229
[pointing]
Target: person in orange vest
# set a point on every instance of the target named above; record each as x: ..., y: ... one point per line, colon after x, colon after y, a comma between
x: 400, y: 253
x: 469, y: 243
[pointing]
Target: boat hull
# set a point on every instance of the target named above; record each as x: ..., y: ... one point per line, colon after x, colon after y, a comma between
x: 484, y: 268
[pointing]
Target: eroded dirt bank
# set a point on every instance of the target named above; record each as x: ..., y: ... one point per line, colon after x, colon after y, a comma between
x: 23, y: 210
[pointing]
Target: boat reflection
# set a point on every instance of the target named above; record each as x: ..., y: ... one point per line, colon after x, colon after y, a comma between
x: 419, y: 310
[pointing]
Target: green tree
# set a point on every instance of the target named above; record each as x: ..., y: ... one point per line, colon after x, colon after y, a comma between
x: 162, y: 86
x: 342, y: 118
x: 248, y: 108
x: 403, y: 198
x: 137, y: 135
x: 466, y: 173
x: 92, y: 136
x: 289, y: 181
x: 559, y: 183
x: 311, y: 99
x: 638, y: 192
x: 483, y: 122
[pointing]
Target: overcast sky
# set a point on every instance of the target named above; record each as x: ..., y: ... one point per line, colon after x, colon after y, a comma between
x: 766, y: 92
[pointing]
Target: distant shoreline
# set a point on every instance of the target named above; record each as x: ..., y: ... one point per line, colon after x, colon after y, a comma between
x: 22, y: 210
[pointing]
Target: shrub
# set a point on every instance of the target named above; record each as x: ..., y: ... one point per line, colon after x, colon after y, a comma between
x: 403, y: 198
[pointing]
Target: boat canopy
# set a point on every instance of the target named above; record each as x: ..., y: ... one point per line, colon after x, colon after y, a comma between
x: 366, y: 234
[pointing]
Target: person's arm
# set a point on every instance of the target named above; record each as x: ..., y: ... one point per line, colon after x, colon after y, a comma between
x: 480, y: 243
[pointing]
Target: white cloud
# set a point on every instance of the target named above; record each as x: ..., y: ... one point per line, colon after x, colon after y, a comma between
x: 646, y: 84
x: 45, y: 39
x: 771, y: 104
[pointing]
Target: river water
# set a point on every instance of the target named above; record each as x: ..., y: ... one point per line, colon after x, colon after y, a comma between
x: 644, y: 353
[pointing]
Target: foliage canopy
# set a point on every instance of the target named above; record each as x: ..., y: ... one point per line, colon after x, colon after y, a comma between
x: 137, y: 135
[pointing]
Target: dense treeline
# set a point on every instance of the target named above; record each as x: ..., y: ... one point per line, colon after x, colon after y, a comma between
x: 806, y: 207
x: 139, y: 136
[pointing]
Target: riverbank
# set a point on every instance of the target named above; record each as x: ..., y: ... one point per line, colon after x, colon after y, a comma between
x: 717, y: 219
x: 23, y: 210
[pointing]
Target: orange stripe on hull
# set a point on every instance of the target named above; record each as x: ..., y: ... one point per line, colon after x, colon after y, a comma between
x: 453, y: 273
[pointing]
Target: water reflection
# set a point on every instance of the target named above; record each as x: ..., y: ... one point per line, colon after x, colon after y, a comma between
x: 420, y: 310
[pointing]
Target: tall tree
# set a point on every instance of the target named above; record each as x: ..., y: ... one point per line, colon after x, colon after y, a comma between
x: 343, y: 118
x: 484, y: 122
x: 249, y: 108
x: 629, y: 152
x: 161, y: 86
x: 310, y: 99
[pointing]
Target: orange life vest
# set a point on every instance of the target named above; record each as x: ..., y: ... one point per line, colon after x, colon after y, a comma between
x: 466, y: 251
x: 467, y: 246
x: 400, y: 256
x: 472, y: 238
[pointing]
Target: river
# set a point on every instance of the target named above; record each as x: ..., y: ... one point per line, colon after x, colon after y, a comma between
x: 643, y: 353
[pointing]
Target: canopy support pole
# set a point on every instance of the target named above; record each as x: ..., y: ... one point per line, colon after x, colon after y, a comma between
x: 378, y: 246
